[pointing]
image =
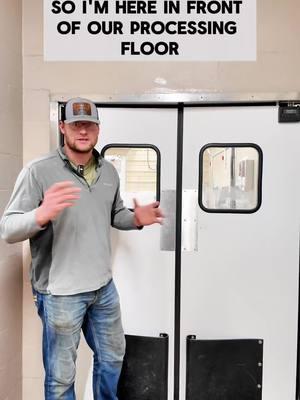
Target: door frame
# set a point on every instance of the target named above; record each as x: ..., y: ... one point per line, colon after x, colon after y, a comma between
x: 180, y: 101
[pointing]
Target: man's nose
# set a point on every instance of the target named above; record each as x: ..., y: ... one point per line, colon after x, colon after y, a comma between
x: 83, y: 129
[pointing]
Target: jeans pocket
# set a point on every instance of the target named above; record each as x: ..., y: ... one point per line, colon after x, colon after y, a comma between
x: 38, y: 301
x: 35, y: 296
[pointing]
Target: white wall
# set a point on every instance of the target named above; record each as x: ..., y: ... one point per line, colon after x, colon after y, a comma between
x: 276, y: 70
x: 10, y: 163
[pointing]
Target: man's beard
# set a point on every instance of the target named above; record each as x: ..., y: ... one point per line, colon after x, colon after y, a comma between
x: 76, y: 149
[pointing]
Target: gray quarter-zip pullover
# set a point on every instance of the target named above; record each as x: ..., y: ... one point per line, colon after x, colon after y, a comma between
x: 72, y: 254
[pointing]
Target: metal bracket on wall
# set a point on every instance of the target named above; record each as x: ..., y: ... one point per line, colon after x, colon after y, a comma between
x: 289, y: 111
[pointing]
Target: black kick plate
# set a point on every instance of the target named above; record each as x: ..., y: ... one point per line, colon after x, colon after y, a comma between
x: 224, y: 369
x: 144, y: 374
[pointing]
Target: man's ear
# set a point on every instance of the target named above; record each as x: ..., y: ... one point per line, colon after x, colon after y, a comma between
x: 62, y: 127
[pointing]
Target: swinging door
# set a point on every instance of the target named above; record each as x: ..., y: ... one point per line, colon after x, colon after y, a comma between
x: 240, y: 254
x: 141, y: 142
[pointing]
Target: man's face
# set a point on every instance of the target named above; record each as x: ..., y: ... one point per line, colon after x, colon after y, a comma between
x: 80, y: 136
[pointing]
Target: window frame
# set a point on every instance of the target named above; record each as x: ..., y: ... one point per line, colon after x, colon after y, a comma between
x: 259, y: 182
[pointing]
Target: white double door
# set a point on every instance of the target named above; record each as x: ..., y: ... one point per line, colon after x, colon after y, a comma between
x: 239, y: 272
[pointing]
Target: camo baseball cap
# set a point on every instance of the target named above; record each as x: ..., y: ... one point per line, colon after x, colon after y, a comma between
x: 79, y: 109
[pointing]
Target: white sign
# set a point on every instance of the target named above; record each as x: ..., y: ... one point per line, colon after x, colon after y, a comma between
x: 154, y: 30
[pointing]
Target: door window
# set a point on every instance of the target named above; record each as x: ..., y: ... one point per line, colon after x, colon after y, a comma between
x: 230, y: 178
x: 138, y: 167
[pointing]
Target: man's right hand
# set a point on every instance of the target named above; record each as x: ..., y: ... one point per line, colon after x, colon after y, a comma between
x: 59, y: 196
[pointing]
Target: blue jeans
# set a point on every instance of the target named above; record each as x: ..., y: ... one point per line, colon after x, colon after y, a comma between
x: 98, y: 314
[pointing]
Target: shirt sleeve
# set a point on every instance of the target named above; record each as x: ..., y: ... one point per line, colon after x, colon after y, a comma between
x: 18, y: 222
x: 122, y: 218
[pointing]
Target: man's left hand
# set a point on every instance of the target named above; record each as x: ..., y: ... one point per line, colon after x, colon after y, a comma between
x: 148, y: 214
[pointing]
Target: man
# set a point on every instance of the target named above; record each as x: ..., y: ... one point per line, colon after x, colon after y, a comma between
x: 65, y: 204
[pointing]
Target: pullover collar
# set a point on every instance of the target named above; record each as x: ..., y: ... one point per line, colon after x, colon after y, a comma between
x: 96, y: 155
